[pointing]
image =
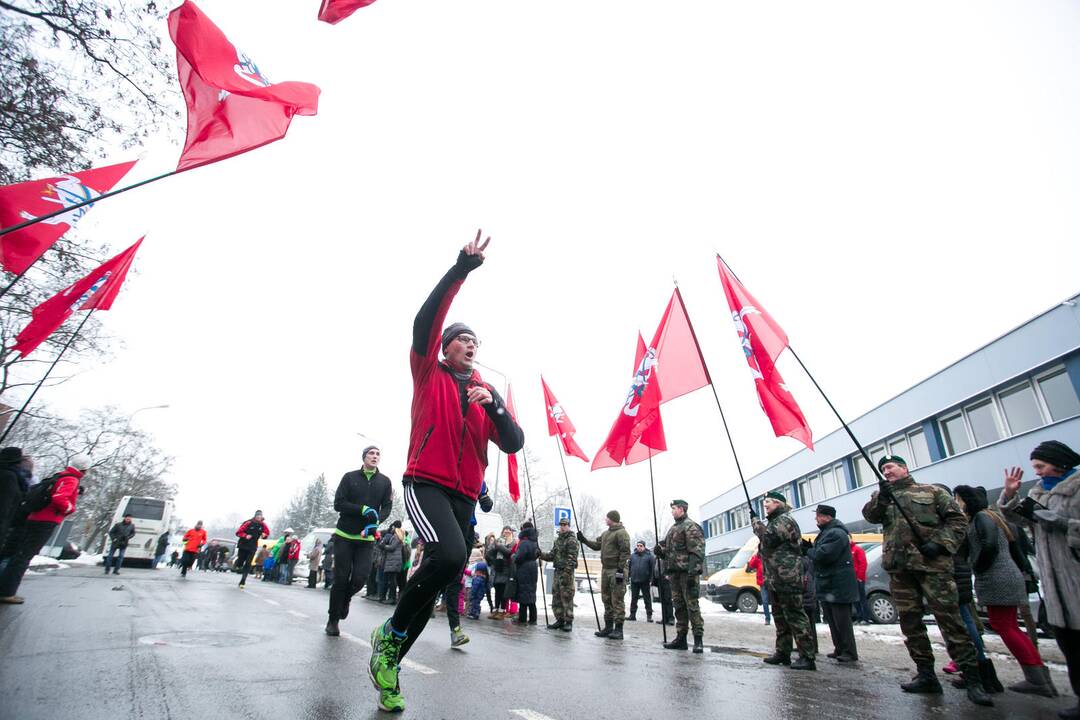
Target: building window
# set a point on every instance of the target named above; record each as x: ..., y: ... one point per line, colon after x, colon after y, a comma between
x: 920, y: 451
x: 1021, y: 408
x: 1059, y: 395
x: 832, y: 481
x: 864, y: 474
x: 983, y: 419
x: 954, y: 432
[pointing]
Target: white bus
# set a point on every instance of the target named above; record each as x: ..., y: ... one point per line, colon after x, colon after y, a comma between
x: 151, y: 518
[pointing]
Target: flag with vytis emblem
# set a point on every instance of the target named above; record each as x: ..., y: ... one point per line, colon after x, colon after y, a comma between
x: 334, y: 11
x: 637, y: 433
x: 680, y: 366
x: 232, y: 107
x: 29, y: 200
x: 511, y: 458
x: 96, y: 291
x: 559, y: 424
x: 762, y: 341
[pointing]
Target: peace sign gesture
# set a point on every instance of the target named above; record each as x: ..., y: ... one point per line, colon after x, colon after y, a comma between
x: 476, y: 247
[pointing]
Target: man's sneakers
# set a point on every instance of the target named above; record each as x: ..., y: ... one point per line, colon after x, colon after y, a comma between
x: 12, y: 600
x: 383, y: 667
x: 332, y: 628
x: 241, y: 586
x: 391, y: 700
x: 458, y: 638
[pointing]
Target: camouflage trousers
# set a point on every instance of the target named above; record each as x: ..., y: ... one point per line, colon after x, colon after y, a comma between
x: 792, y: 624
x: 685, y: 590
x: 613, y: 595
x: 909, y: 590
x: 562, y: 595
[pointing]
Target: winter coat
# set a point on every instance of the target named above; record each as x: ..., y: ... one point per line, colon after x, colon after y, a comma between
x: 962, y: 575
x: 315, y: 556
x: 1058, y: 553
x: 858, y: 558
x: 64, y: 494
x: 937, y: 516
x: 121, y: 533
x: 684, y: 547
x: 448, y: 442
x: 757, y: 567
x: 641, y: 566
x: 292, y: 549
x: 328, y: 555
x: 780, y: 551
x: 525, y: 568
x: 614, y: 547
x: 355, y: 495
x: 498, y: 559
x: 10, y: 494
x: 834, y: 570
x: 257, y: 529
x: 260, y: 557
x: 194, y: 539
x: 162, y: 544
x: 998, y: 580
x: 391, y: 547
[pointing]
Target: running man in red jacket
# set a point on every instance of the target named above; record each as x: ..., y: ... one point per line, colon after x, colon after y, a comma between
x: 455, y: 414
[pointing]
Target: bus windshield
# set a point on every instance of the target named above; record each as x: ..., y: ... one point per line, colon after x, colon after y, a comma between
x: 145, y: 508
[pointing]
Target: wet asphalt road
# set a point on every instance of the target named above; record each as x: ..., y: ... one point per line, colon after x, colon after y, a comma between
x: 146, y: 644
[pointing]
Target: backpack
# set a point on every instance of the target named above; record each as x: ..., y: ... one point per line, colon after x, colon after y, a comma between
x: 38, y: 496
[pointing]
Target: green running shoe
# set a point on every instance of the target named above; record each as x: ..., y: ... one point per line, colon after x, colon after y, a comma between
x: 458, y: 638
x: 391, y: 700
x: 383, y: 667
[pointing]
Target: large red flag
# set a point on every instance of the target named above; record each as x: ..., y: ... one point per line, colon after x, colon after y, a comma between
x: 28, y: 200
x: 511, y: 458
x: 334, y: 11
x: 679, y: 366
x: 232, y: 107
x: 559, y: 424
x: 96, y: 291
x: 638, y: 432
x: 762, y: 342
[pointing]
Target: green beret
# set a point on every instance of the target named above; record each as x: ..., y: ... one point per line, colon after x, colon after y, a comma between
x: 681, y: 503
x: 773, y: 495
x: 891, y: 459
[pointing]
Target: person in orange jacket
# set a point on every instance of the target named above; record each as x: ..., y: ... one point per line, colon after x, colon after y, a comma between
x: 62, y: 491
x: 194, y: 539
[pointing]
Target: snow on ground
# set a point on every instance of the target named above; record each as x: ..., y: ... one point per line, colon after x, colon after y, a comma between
x: 41, y: 563
x: 89, y: 559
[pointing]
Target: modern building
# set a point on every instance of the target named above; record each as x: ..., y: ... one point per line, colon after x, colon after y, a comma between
x: 962, y: 425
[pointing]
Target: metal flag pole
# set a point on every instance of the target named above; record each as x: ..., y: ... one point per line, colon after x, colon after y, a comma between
x: 41, y: 382
x: 528, y: 479
x: 577, y: 526
x: 656, y: 533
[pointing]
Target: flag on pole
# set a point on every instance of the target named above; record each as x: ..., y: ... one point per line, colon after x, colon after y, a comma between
x: 559, y: 424
x: 232, y: 107
x: 762, y: 342
x: 638, y: 432
x: 28, y: 200
x: 96, y: 291
x: 334, y: 11
x: 511, y: 458
x: 680, y: 368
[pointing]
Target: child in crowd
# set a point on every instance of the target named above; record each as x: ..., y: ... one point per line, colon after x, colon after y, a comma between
x: 479, y: 588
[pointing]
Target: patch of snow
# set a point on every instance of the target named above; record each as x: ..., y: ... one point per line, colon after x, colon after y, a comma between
x: 40, y: 563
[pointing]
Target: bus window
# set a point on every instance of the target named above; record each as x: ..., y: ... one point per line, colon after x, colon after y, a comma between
x: 145, y: 508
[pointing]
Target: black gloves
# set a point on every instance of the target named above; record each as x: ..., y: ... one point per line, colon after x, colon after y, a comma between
x: 753, y: 514
x: 884, y: 493
x: 580, y: 536
x: 658, y: 551
x: 468, y: 263
x: 932, y: 551
x: 486, y: 503
x: 805, y: 546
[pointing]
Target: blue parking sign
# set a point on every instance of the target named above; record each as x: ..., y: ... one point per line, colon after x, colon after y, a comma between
x: 563, y: 512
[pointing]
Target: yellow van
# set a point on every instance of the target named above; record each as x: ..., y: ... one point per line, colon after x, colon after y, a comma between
x: 738, y: 590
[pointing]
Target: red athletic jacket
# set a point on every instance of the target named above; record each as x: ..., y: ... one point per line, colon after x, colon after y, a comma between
x: 858, y: 558
x: 64, y: 494
x: 194, y: 539
x: 755, y: 566
x: 448, y: 442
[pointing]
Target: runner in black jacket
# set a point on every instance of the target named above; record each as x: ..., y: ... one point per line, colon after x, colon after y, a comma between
x: 363, y: 499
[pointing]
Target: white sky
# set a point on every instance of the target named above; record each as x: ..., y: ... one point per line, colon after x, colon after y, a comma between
x: 891, y: 180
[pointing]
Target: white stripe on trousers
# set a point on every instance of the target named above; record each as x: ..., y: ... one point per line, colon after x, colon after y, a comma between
x: 422, y: 524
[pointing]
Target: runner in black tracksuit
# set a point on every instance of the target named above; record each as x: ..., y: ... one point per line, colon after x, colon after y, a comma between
x: 363, y: 499
x: 454, y: 416
x: 250, y: 533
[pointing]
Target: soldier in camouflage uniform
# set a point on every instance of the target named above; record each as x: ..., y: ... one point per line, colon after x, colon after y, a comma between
x: 614, y: 547
x: 781, y: 554
x: 563, y: 557
x: 684, y: 551
x: 920, y: 569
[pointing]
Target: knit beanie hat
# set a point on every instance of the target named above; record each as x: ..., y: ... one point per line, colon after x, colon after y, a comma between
x: 614, y: 516
x: 1056, y: 453
x: 452, y: 331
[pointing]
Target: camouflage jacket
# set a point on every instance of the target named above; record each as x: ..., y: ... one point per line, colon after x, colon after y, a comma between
x: 563, y: 555
x: 781, y: 553
x: 934, y: 511
x: 614, y: 547
x: 684, y: 547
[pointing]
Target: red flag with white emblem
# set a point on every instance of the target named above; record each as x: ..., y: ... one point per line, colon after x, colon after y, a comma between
x: 559, y: 424
x: 232, y: 107
x: 762, y: 342
x: 638, y: 432
x: 511, y: 458
x: 679, y: 366
x: 334, y: 11
x: 28, y: 200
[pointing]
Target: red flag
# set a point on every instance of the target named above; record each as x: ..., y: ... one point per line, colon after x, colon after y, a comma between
x: 334, y: 11
x: 679, y: 366
x: 762, y: 342
x: 96, y: 291
x: 27, y: 200
x: 232, y: 107
x: 511, y: 458
x: 638, y: 432
x: 559, y: 424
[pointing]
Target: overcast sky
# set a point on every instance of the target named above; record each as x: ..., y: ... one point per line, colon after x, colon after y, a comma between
x: 892, y: 180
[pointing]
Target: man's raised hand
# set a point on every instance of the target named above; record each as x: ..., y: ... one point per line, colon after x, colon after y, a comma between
x: 476, y: 247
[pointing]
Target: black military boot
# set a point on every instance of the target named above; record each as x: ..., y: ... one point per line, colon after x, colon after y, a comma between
x: 606, y: 631
x: 777, y: 659
x: 557, y: 625
x: 616, y: 634
x: 568, y: 626
x: 332, y: 628
x: 990, y: 681
x: 632, y: 617
x: 679, y: 643
x: 699, y: 647
x: 925, y: 682
x: 804, y: 663
x: 975, y: 691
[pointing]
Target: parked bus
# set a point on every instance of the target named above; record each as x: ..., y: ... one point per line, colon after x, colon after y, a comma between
x: 151, y: 518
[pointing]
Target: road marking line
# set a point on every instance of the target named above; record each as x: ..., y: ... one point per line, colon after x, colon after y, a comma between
x: 298, y: 614
x: 411, y: 664
x: 530, y: 714
x: 271, y: 602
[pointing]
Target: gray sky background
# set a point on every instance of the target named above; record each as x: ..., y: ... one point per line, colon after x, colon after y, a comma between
x: 893, y: 181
